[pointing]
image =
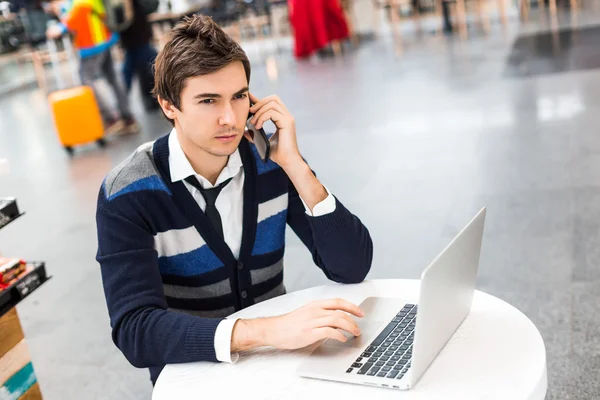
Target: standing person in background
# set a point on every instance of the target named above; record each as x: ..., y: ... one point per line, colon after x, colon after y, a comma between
x: 317, y: 24
x: 140, y: 54
x: 85, y: 20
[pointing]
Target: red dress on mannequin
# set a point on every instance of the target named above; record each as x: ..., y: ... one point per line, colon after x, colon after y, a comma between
x: 316, y: 24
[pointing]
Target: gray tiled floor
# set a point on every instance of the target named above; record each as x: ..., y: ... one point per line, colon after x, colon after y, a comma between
x: 413, y: 144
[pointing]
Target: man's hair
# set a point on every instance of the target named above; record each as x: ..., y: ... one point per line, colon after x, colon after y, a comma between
x: 197, y: 46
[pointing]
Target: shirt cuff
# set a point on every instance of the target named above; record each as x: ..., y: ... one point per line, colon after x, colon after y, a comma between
x: 325, y: 207
x: 223, y: 341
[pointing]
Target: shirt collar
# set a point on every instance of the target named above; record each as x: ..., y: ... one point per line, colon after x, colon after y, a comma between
x: 181, y: 168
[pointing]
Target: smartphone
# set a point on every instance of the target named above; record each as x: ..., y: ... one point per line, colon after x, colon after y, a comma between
x: 261, y: 141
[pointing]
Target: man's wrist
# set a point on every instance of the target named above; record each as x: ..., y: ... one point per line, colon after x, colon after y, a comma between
x: 248, y: 334
x: 311, y: 191
x: 294, y: 165
x: 298, y: 171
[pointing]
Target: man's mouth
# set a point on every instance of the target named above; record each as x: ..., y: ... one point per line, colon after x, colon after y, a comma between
x: 226, y: 138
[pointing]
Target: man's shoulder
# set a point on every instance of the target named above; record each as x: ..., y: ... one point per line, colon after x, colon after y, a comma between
x: 136, y: 173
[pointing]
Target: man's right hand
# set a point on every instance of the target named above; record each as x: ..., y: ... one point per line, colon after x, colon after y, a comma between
x: 307, y: 325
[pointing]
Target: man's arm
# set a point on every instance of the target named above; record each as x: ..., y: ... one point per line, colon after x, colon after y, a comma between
x: 302, y: 327
x: 150, y: 335
x: 142, y: 328
x: 340, y: 244
x: 338, y: 241
x: 306, y: 183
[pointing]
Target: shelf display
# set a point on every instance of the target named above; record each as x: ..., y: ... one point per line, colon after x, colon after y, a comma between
x: 18, y: 279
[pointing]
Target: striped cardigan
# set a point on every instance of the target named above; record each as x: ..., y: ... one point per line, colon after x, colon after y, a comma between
x: 169, y: 278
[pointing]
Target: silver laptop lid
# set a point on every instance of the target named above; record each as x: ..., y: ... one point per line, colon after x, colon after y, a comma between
x: 447, y: 288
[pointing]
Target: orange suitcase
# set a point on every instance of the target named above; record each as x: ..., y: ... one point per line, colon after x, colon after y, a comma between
x: 77, y: 119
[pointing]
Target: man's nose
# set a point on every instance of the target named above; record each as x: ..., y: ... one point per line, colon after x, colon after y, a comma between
x: 227, y: 116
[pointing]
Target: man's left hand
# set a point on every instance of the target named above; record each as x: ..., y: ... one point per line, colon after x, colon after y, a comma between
x: 284, y: 147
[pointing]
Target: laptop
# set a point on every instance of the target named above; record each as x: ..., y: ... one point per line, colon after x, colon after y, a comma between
x: 400, y: 340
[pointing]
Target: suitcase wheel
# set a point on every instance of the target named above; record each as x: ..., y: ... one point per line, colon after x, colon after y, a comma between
x: 69, y: 150
x: 101, y: 142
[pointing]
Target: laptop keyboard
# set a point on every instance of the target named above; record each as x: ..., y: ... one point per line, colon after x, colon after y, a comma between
x: 389, y: 355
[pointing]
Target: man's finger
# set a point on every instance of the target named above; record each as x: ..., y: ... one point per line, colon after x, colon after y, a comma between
x: 253, y: 99
x: 347, y: 317
x: 335, y: 321
x: 277, y: 100
x: 268, y: 106
x: 329, y: 333
x: 272, y: 115
x: 342, y: 305
x: 258, y: 103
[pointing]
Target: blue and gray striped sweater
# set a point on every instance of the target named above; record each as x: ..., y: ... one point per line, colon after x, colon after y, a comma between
x: 169, y: 279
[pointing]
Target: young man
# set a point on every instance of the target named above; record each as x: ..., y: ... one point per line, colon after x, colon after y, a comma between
x: 191, y: 227
x: 85, y: 20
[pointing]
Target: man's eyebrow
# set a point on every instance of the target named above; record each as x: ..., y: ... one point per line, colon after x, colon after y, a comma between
x: 202, y: 95
x: 217, y: 95
x: 243, y: 90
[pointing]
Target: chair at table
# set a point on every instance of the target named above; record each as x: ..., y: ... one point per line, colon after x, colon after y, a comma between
x: 525, y: 6
x: 257, y: 24
x: 348, y: 7
x: 279, y: 18
x: 461, y: 9
x: 40, y: 57
x: 395, y: 10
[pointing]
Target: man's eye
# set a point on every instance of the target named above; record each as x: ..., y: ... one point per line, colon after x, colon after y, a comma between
x: 207, y: 101
x: 241, y: 96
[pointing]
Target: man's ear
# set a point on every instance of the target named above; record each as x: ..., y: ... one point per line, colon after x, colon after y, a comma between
x: 167, y: 108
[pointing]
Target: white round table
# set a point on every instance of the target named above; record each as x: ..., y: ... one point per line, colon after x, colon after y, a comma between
x: 497, y: 353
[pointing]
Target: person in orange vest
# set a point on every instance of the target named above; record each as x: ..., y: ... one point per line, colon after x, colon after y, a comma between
x: 85, y: 20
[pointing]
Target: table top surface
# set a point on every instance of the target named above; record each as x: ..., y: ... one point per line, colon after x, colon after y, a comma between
x: 497, y: 353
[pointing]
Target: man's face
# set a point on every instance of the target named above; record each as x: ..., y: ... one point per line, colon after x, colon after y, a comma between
x: 213, y: 111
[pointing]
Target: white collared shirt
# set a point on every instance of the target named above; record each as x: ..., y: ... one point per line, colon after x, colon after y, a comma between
x: 230, y: 204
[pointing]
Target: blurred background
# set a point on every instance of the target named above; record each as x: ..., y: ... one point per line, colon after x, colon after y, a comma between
x: 414, y: 113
